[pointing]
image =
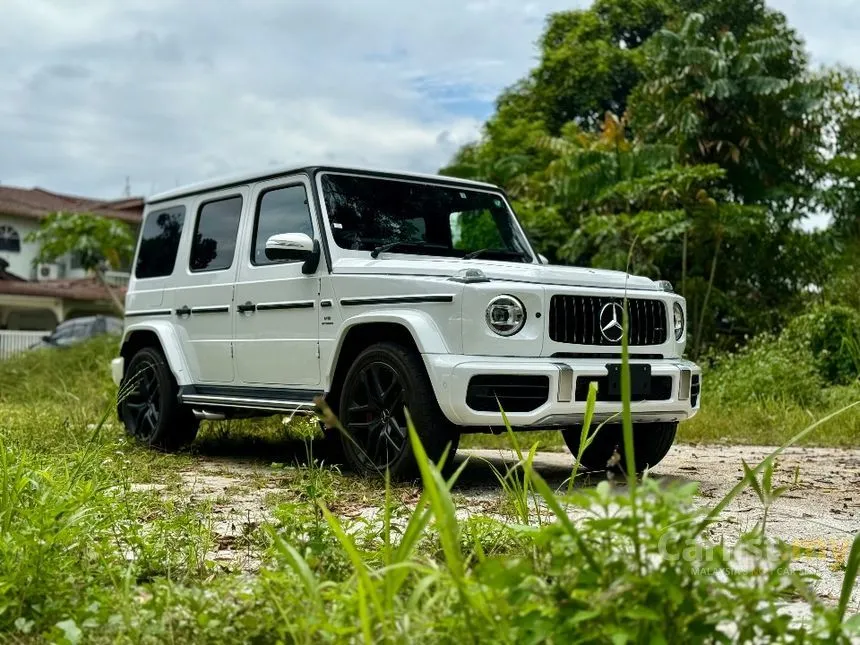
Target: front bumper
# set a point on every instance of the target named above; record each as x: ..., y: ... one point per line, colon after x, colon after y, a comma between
x: 450, y: 376
x: 116, y: 367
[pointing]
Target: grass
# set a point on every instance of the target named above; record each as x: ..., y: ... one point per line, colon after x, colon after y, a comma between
x: 89, y: 554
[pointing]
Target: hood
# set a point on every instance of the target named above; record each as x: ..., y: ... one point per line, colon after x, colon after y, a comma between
x: 510, y: 271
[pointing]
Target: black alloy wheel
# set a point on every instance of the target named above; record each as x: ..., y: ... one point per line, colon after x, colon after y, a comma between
x: 376, y: 416
x: 385, y: 381
x: 149, y: 407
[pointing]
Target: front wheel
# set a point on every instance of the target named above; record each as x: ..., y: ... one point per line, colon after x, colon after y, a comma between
x: 651, y: 443
x: 148, y: 406
x: 385, y: 380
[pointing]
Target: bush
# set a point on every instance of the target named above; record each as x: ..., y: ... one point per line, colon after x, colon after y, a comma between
x: 766, y: 369
x: 829, y: 333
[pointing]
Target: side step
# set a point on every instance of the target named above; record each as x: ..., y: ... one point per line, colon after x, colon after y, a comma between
x: 289, y: 401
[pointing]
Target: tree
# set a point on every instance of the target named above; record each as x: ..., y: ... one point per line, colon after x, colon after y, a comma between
x: 712, y: 153
x: 742, y: 103
x: 589, y: 64
x: 99, y: 243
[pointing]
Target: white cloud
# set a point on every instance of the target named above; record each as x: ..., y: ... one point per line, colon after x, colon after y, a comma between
x: 169, y: 91
x: 172, y: 91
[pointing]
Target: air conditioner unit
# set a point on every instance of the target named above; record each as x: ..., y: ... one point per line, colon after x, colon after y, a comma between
x: 48, y: 271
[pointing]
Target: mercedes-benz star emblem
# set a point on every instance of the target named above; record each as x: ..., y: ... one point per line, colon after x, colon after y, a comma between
x: 611, y: 316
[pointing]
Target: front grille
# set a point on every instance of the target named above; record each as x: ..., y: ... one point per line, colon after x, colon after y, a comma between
x: 695, y: 389
x: 576, y: 320
x: 515, y: 393
x: 661, y: 389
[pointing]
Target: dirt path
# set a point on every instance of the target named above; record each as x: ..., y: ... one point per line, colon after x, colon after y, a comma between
x: 821, y: 510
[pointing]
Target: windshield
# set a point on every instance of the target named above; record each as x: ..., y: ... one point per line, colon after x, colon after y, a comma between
x: 367, y: 213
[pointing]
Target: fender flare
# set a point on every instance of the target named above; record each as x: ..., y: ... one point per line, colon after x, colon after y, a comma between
x: 421, y: 326
x: 167, y: 336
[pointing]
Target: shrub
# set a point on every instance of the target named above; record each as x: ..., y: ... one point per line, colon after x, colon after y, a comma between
x: 829, y: 333
x: 766, y: 369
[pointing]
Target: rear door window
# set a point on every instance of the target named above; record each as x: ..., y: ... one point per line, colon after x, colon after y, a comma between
x: 214, y: 243
x: 159, y: 243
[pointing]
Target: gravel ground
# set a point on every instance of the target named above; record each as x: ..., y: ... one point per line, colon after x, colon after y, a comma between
x: 821, y: 509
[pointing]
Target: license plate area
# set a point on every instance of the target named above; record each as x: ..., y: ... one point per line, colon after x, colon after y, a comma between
x: 640, y: 381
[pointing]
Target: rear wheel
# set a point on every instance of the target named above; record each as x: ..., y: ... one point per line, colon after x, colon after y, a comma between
x: 651, y: 443
x: 385, y: 380
x: 149, y: 407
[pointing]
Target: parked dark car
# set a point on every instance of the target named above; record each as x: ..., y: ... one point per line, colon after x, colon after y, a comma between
x: 77, y: 330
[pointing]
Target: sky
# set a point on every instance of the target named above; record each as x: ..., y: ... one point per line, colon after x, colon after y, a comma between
x: 168, y: 92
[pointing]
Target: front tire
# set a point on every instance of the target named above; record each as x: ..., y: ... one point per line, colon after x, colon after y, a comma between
x: 149, y: 407
x: 385, y: 380
x: 651, y: 443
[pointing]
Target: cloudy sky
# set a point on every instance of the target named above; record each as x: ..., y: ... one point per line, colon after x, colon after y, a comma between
x: 174, y: 91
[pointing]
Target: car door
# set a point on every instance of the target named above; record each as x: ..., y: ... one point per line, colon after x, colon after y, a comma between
x: 201, y: 301
x: 276, y: 313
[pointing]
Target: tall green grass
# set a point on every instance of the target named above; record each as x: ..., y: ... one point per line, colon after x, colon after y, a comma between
x: 86, y: 556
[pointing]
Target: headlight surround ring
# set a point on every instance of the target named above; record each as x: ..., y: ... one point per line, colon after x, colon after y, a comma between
x: 505, y: 315
x: 678, y: 321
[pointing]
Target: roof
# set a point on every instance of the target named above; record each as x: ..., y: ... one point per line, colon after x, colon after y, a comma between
x: 81, y: 289
x: 38, y: 203
x: 273, y: 172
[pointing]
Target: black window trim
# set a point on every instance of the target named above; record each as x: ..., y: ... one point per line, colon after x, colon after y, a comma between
x: 178, y: 205
x: 440, y: 182
x: 200, y: 206
x: 291, y: 183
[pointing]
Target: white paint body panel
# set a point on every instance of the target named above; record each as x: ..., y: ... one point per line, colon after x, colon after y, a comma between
x: 297, y: 347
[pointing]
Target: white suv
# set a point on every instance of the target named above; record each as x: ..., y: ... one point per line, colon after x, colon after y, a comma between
x: 381, y: 292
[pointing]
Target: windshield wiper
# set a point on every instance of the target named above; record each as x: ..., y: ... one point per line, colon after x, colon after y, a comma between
x: 392, y: 245
x: 508, y: 252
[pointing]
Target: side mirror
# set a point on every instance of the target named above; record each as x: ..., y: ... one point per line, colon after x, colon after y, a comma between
x: 542, y: 258
x: 294, y: 247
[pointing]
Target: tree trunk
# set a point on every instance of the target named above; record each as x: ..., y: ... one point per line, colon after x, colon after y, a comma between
x: 698, y: 342
x: 684, y: 264
x: 120, y: 307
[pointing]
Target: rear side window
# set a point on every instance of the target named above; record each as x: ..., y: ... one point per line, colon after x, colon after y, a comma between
x: 159, y: 242
x: 281, y: 210
x: 215, y: 235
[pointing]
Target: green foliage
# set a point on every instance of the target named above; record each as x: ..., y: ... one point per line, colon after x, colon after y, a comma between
x: 94, y: 240
x: 766, y: 369
x: 87, y: 554
x: 830, y: 333
x: 742, y: 103
x: 694, y: 132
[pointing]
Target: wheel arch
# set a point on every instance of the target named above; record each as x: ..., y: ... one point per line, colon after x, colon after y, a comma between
x: 409, y: 329
x: 162, y: 336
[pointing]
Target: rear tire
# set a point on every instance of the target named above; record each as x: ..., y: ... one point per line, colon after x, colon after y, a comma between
x: 150, y: 409
x: 651, y: 443
x: 384, y: 381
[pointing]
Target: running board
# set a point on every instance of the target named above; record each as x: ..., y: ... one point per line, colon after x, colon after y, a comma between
x: 265, y: 399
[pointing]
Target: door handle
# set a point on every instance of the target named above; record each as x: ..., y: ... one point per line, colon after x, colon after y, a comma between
x: 248, y: 306
x: 184, y: 310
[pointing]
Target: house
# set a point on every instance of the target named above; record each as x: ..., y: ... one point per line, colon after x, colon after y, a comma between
x: 40, y: 296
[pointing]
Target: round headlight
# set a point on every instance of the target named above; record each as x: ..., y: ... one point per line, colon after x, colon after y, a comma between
x: 678, y: 315
x: 506, y: 315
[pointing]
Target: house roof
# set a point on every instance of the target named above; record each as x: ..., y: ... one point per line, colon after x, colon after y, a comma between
x: 81, y: 289
x: 37, y: 203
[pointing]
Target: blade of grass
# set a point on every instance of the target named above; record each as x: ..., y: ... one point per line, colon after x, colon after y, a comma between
x: 300, y: 566
x: 555, y: 506
x: 440, y: 503
x: 741, y: 485
x: 851, y: 567
x: 584, y: 439
x: 365, y: 584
